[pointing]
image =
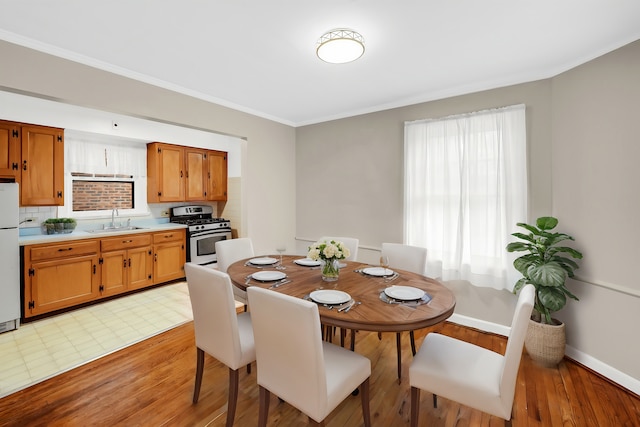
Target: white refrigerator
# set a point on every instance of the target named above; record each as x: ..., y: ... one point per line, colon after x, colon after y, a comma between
x: 9, y: 258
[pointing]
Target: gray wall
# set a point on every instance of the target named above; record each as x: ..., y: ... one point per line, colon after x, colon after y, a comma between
x: 596, y: 147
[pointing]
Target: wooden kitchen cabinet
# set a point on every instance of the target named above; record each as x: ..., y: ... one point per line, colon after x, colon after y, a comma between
x: 165, y: 173
x: 177, y: 173
x: 10, y: 150
x: 169, y: 255
x: 217, y: 176
x: 42, y: 166
x: 126, y: 263
x: 60, y: 275
x: 33, y: 156
x: 196, y: 172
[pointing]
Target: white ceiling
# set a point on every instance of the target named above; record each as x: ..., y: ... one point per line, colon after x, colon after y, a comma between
x: 258, y: 56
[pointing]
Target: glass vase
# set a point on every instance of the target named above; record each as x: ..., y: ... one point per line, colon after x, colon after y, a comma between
x: 330, y: 270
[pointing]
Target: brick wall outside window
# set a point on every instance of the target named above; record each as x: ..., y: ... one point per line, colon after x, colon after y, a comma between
x: 102, y: 195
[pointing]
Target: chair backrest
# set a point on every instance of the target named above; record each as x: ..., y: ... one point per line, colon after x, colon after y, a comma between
x: 289, y: 352
x: 350, y: 242
x: 214, y: 314
x: 515, y: 343
x: 232, y: 250
x: 405, y: 257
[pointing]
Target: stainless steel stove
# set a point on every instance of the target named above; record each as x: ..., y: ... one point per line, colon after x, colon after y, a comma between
x: 202, y: 233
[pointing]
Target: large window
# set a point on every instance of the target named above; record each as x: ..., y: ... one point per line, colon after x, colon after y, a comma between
x: 465, y: 189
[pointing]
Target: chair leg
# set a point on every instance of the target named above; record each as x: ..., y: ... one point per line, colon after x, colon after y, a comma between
x: 353, y: 339
x: 366, y: 412
x: 435, y: 400
x: 263, y: 412
x: 399, y: 348
x: 343, y: 334
x: 415, y: 406
x: 413, y: 342
x: 234, y: 380
x: 199, y: 370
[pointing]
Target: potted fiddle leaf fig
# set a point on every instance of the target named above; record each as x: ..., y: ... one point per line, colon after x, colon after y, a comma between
x: 546, y: 264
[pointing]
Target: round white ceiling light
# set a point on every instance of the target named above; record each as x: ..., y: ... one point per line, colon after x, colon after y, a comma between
x: 340, y: 46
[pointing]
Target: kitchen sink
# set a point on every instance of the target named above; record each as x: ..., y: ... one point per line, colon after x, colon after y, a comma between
x: 115, y: 229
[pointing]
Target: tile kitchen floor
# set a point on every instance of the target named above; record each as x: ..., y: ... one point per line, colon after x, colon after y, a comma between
x: 39, y: 350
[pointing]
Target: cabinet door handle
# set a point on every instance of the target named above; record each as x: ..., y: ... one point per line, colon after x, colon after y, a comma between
x: 129, y: 262
x: 127, y: 241
x: 155, y: 257
x: 124, y: 263
x: 65, y: 249
x: 168, y: 236
x: 24, y: 165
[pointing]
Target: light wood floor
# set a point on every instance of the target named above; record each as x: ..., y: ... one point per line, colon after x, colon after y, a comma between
x: 150, y: 384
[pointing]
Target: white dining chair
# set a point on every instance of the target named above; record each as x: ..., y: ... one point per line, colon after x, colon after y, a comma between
x: 350, y: 242
x: 230, y: 251
x: 409, y: 258
x: 219, y: 331
x: 295, y: 364
x: 469, y: 374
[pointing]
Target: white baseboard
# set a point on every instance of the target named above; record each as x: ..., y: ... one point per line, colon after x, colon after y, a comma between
x: 618, y: 377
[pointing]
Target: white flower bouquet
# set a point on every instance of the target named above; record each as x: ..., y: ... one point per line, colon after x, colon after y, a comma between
x: 329, y: 252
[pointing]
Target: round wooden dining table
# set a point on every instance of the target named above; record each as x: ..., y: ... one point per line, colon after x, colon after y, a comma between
x: 370, y: 313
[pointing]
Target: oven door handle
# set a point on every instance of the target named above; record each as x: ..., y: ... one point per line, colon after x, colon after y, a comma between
x: 208, y: 232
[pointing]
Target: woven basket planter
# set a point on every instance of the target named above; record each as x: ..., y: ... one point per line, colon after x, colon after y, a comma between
x: 545, y: 343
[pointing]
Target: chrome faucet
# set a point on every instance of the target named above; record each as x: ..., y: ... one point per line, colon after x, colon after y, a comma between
x: 114, y: 212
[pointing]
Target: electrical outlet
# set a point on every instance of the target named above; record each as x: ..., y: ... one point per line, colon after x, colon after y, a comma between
x: 164, y: 213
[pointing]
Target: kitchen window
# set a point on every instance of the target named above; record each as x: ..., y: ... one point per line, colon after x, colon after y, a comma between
x: 103, y: 173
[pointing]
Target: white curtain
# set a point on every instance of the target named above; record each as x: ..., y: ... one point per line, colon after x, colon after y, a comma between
x: 100, y: 157
x: 465, y: 189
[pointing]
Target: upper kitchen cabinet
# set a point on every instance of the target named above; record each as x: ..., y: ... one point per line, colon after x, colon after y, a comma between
x: 10, y: 150
x: 177, y: 174
x: 196, y: 165
x: 165, y: 173
x: 217, y: 176
x: 42, y: 167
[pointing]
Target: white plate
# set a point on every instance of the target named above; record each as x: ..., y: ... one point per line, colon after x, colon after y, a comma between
x: 307, y: 262
x: 405, y: 293
x: 329, y: 296
x: 263, y: 261
x: 378, y: 271
x: 268, y: 276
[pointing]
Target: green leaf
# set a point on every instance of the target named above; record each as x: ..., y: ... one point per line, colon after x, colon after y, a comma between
x: 565, y: 249
x: 523, y: 263
x: 552, y: 299
x: 556, y: 238
x: 531, y: 228
x: 519, y: 285
x: 548, y: 275
x: 518, y: 247
x: 527, y: 237
x: 546, y: 222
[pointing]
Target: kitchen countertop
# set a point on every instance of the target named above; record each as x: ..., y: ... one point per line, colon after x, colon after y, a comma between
x: 79, y: 234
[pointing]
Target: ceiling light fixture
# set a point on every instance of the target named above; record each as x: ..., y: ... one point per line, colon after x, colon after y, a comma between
x: 340, y: 45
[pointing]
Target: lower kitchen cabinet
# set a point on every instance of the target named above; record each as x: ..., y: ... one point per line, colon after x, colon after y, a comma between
x: 126, y: 263
x: 63, y: 275
x: 60, y: 275
x: 169, y: 255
